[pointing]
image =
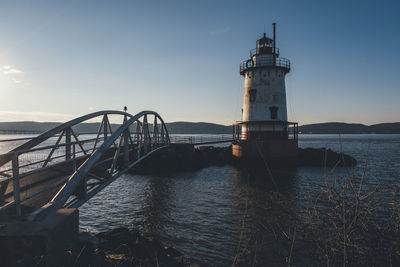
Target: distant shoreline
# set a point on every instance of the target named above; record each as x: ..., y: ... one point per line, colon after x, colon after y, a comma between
x: 29, y: 127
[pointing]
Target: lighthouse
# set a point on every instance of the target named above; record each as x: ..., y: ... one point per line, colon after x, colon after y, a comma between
x: 265, y: 132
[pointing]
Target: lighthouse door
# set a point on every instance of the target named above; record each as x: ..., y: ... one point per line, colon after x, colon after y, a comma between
x: 274, y: 113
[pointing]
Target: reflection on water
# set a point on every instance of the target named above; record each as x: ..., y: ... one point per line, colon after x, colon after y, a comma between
x: 205, y: 213
x: 266, y: 214
x: 157, y: 205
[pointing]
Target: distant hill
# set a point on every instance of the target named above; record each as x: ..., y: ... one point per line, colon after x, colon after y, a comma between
x: 27, y: 126
x: 173, y: 127
x: 212, y: 128
x: 350, y: 128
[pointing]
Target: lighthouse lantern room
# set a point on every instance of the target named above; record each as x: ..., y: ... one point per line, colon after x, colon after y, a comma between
x: 265, y: 132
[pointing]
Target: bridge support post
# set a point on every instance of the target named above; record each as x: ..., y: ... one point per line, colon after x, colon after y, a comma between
x: 105, y: 127
x: 126, y: 144
x: 68, y: 144
x: 3, y: 189
x: 145, y: 134
x: 21, y: 241
x: 16, y: 185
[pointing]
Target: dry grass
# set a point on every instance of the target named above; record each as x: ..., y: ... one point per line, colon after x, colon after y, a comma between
x: 352, y: 223
x: 347, y: 222
x: 346, y: 227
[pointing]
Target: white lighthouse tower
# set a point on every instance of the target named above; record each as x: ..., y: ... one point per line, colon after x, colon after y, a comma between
x: 264, y: 131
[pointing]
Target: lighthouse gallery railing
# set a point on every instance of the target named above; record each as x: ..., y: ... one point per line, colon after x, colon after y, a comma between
x: 278, y: 62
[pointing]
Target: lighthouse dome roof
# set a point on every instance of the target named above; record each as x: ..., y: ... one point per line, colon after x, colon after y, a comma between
x: 264, y: 41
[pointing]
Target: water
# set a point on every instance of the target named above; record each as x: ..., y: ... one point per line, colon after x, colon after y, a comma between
x: 213, y: 213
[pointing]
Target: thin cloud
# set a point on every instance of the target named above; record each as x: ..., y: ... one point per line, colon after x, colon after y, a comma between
x: 16, y: 81
x: 220, y: 31
x: 10, y: 70
x: 12, y: 73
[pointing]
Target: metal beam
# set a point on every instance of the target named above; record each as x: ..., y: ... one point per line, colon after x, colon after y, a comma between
x: 16, y: 184
x: 51, y: 133
x: 76, y: 178
x: 53, y: 149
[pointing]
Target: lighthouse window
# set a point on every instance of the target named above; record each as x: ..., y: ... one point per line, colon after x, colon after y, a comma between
x: 274, y: 113
x: 253, y: 94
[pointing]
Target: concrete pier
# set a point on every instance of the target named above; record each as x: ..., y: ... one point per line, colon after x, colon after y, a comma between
x: 20, y: 241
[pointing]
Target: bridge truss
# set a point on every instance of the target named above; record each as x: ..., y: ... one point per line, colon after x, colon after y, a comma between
x: 62, y: 168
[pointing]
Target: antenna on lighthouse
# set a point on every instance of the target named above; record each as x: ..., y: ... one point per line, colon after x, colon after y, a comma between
x: 274, y: 26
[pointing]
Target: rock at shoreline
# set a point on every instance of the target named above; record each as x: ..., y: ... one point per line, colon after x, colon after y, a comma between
x: 205, y: 156
x: 321, y: 157
x: 117, y: 247
x: 188, y: 158
x: 124, y: 247
x: 185, y: 158
x: 208, y: 155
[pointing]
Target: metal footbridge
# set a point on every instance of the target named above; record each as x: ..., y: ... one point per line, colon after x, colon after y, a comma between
x: 61, y: 169
x: 64, y: 168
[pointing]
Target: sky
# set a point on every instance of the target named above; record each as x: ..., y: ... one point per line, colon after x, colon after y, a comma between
x: 63, y: 59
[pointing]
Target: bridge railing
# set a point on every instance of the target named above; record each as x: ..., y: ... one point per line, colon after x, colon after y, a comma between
x: 200, y: 139
x: 129, y: 151
x: 46, y: 151
x: 61, y: 146
x: 26, y: 163
x: 43, y: 156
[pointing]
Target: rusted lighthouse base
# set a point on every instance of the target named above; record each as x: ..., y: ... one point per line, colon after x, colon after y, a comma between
x: 275, y: 154
x: 271, y: 144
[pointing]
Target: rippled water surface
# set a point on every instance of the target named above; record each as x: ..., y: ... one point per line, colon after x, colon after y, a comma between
x: 203, y: 213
